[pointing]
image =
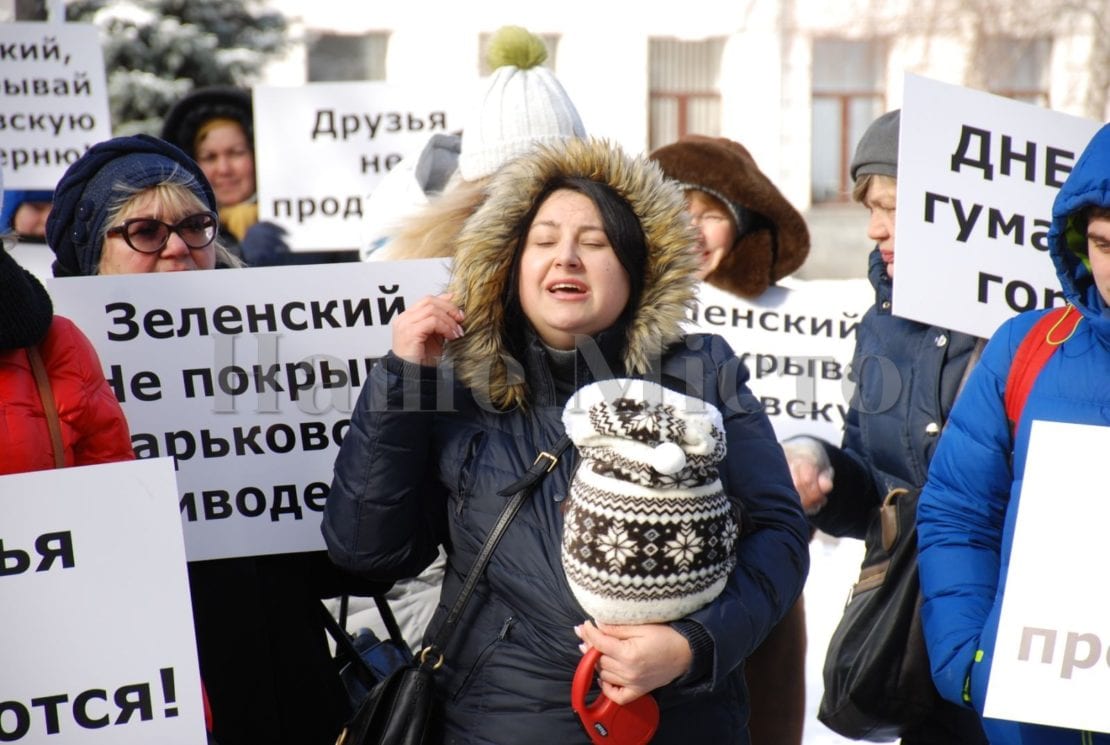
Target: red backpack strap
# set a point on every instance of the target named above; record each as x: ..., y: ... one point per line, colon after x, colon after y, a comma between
x: 1048, y: 333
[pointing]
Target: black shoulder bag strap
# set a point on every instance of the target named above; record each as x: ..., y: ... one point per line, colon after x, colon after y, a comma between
x: 520, y: 490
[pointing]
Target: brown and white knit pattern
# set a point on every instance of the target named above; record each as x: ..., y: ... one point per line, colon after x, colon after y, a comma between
x: 649, y: 534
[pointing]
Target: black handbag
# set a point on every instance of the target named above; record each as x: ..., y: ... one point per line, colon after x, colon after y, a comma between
x: 876, y: 674
x: 401, y: 710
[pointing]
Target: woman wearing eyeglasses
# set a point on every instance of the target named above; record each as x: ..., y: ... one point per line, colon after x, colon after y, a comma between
x: 135, y: 205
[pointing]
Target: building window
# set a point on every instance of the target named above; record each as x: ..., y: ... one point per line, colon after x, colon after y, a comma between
x: 338, y: 57
x: 684, y: 83
x: 1017, y: 68
x: 551, y: 41
x: 847, y: 96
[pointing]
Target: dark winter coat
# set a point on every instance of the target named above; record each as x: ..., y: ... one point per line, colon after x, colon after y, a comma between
x: 407, y: 481
x: 907, y: 375
x: 967, y: 511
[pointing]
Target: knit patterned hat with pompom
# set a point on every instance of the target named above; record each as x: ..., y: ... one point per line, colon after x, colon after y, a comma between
x: 522, y: 104
x: 649, y: 533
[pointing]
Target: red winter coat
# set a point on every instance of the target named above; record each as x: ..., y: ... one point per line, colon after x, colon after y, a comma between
x: 93, y: 426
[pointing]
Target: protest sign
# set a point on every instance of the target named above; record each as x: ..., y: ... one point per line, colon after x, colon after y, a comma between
x: 53, y: 100
x: 351, y: 134
x: 247, y: 377
x: 98, y: 643
x: 796, y: 340
x: 1050, y: 665
x: 977, y: 175
x: 37, y: 258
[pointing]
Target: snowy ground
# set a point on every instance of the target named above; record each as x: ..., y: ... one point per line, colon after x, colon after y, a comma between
x: 834, y: 566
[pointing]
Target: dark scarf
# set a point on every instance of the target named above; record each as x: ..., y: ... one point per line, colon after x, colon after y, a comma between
x: 25, y: 308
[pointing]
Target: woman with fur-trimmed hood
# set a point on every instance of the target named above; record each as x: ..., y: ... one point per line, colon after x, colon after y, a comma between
x: 576, y: 268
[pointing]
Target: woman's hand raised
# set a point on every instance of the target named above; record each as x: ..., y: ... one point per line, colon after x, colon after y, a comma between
x: 420, y: 333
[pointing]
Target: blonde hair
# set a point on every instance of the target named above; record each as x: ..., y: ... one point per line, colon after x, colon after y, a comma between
x: 176, y: 196
x: 863, y: 184
x: 214, y: 123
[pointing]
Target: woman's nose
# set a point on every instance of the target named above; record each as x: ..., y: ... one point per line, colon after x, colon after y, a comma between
x: 877, y: 227
x: 567, y: 254
x: 175, y: 246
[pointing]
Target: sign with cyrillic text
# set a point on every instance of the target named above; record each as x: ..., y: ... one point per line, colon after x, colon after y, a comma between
x: 247, y: 377
x: 1050, y: 658
x: 977, y: 175
x: 796, y: 340
x: 98, y: 643
x: 321, y: 148
x: 53, y: 100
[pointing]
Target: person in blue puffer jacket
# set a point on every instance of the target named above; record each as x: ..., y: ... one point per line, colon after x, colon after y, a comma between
x: 577, y: 267
x: 967, y: 510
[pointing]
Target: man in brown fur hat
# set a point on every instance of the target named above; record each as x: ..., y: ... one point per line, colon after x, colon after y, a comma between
x: 750, y: 237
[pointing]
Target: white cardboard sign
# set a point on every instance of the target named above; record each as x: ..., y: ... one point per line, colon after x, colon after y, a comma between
x: 1050, y: 655
x: 53, y: 100
x: 797, y: 341
x: 98, y: 643
x: 350, y: 134
x: 977, y: 175
x: 253, y: 404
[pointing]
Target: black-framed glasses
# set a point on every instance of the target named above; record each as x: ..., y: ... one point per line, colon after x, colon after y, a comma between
x: 149, y: 236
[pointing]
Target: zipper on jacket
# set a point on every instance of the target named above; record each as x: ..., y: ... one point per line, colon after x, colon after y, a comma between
x: 480, y: 662
x: 472, y: 449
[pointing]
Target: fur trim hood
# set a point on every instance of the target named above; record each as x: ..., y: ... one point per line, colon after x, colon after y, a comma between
x: 776, y: 240
x: 485, y: 252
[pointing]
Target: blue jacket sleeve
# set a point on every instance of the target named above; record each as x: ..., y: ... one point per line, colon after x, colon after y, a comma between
x: 773, y: 550
x: 960, y: 520
x: 385, y: 512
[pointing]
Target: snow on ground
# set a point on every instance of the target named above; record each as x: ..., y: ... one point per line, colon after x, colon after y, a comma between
x: 834, y: 566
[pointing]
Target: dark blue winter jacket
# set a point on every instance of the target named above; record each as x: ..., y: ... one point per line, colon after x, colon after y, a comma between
x: 907, y: 375
x: 968, y: 508
x: 424, y: 461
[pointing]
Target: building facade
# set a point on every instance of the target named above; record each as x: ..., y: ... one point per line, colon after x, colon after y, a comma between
x: 796, y: 81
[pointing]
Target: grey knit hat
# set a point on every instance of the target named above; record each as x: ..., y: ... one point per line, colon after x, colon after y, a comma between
x: 877, y: 151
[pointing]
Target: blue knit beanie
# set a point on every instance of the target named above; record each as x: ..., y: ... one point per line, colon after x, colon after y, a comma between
x: 89, y: 188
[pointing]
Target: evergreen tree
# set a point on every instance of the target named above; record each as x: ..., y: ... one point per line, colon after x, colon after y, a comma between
x: 155, y: 51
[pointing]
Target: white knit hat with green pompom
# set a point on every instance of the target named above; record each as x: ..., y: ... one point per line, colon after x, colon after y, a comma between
x: 521, y: 105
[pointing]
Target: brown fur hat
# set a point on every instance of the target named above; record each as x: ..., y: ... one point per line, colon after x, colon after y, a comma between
x: 773, y: 244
